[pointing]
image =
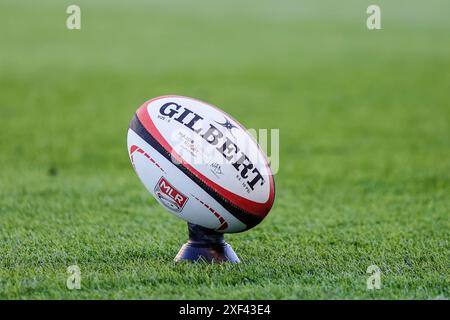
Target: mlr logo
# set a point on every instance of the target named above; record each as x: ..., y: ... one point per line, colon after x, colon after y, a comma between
x: 169, y: 196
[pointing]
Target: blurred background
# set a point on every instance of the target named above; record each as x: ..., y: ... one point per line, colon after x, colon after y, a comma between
x: 364, y: 141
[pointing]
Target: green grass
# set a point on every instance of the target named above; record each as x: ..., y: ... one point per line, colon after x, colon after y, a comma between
x: 365, y: 146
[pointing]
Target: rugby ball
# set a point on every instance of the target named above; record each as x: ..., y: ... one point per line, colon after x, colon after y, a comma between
x: 200, y: 164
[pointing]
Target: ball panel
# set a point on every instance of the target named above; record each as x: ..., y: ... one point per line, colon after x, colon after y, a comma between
x: 244, y: 204
x: 250, y: 220
x: 176, y: 191
x: 202, y: 135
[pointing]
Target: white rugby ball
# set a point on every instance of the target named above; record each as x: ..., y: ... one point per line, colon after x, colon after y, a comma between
x: 200, y: 164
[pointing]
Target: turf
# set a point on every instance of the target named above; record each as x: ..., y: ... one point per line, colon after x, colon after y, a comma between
x: 364, y: 146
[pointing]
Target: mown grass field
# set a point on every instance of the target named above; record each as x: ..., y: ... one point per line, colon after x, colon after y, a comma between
x: 364, y: 146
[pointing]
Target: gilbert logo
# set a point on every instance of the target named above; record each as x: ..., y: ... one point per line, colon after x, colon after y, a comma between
x: 213, y: 136
x: 169, y: 196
